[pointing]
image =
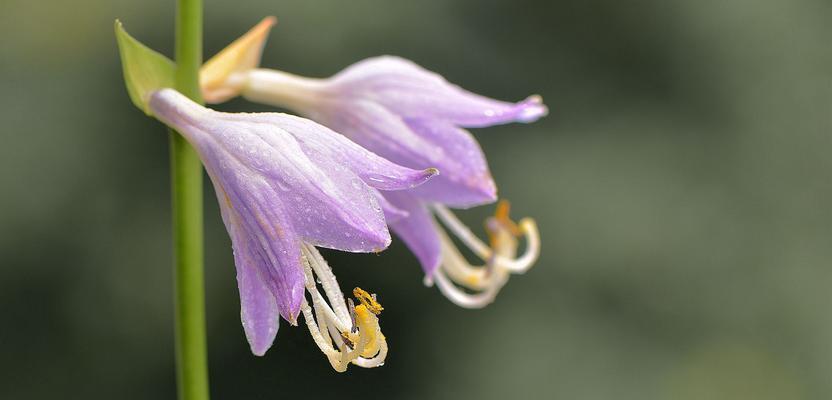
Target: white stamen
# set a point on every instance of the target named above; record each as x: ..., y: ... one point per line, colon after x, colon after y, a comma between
x: 523, y: 263
x: 460, y: 297
x: 517, y: 265
x: 328, y: 281
x: 462, y: 232
x: 332, y: 326
x: 455, y: 274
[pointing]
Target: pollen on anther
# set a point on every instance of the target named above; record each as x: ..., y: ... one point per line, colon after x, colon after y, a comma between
x: 368, y: 300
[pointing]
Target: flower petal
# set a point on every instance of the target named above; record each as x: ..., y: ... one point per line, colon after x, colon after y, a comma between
x: 391, y: 212
x: 261, y: 233
x: 328, y: 205
x: 330, y: 148
x: 411, y: 91
x: 417, y: 230
x: 331, y: 206
x: 464, y: 179
x: 258, y: 308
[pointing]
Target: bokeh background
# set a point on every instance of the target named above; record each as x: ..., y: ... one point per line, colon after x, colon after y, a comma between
x: 681, y: 184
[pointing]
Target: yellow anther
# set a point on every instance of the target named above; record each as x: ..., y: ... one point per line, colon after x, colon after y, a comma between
x: 370, y: 304
x: 502, y: 216
x: 473, y: 280
x: 501, y: 223
x: 503, y: 209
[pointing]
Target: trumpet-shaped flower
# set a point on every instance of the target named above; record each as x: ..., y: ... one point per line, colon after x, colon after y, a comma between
x: 415, y: 118
x: 285, y: 185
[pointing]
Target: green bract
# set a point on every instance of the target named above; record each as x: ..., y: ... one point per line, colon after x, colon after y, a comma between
x: 145, y: 70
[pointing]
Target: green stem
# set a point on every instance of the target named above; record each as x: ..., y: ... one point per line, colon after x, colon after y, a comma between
x: 186, y: 188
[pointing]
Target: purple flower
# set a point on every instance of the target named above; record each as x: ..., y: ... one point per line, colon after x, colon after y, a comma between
x: 285, y: 185
x: 415, y: 118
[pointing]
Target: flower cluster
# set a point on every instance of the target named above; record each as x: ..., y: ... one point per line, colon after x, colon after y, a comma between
x: 388, y: 147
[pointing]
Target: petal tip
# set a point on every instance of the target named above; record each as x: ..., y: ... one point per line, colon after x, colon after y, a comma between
x: 532, y: 109
x: 426, y: 175
x: 485, y: 188
x: 291, y: 317
x: 430, y: 263
x: 259, y: 350
x: 382, y: 240
x: 289, y: 303
x: 260, y: 338
x: 429, y: 267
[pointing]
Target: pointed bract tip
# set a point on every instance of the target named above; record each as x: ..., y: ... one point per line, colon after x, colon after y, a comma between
x: 145, y: 70
x: 267, y: 22
x: 241, y: 55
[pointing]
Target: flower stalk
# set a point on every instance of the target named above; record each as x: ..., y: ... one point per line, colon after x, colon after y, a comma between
x: 186, y: 191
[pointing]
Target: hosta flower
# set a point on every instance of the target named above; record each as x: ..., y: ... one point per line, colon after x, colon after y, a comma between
x: 285, y: 185
x: 415, y: 118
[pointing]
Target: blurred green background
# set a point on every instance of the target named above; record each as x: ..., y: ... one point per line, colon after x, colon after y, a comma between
x: 681, y: 184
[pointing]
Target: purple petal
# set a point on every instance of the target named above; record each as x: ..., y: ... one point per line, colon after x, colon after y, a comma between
x: 331, y: 206
x: 417, y: 230
x: 330, y: 148
x: 326, y: 203
x: 261, y: 236
x: 377, y: 129
x: 411, y: 91
x: 258, y: 308
x: 391, y: 213
x: 464, y: 178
